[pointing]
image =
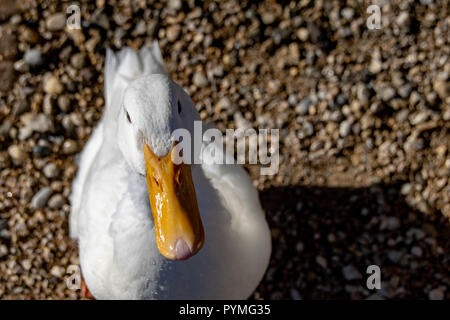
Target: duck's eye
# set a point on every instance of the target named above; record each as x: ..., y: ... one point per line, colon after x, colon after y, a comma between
x: 128, y: 116
x: 179, y: 107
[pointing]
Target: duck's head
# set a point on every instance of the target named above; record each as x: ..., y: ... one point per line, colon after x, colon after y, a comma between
x: 153, y: 107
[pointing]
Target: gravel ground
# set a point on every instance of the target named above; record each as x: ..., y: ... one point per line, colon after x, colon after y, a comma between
x: 364, y: 144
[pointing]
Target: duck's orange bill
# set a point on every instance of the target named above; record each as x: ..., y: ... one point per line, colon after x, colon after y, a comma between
x: 178, y: 226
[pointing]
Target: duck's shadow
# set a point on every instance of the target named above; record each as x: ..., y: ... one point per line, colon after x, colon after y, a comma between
x: 325, y: 238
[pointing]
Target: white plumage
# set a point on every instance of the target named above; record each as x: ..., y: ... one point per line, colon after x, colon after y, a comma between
x: 111, y: 216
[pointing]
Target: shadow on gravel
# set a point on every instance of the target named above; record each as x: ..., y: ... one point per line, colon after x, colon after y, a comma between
x: 325, y: 238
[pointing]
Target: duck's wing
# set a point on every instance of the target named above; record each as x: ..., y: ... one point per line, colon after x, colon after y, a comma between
x: 248, y: 229
x: 231, y: 180
x: 85, y: 161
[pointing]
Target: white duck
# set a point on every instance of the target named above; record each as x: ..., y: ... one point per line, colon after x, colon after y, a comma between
x: 125, y: 183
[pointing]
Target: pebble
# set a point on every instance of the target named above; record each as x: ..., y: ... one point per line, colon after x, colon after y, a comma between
x: 173, y: 32
x: 395, y: 256
x: 40, y: 198
x: 56, y: 22
x: 417, y: 251
x: 70, y: 147
x: 392, y: 223
x: 347, y: 13
x: 57, y: 271
x: 295, y: 295
x: 56, y: 201
x: 442, y: 88
x: 303, y: 34
x: 64, y: 103
x: 303, y: 107
x: 419, y: 117
x: 34, y: 122
x: 405, y: 90
x: 16, y: 153
x: 402, y: 115
x: 175, y: 4
x: 351, y: 273
x: 33, y: 57
x: 77, y: 61
x: 52, y: 85
x: 436, y: 294
x: 199, y: 79
x: 344, y: 128
x: 51, y: 170
x: 387, y: 93
x: 7, y: 76
x: 321, y: 261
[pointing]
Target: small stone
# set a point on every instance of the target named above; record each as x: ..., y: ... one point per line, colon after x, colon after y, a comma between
x: 351, y: 273
x: 406, y: 189
x: 419, y: 117
x: 52, y: 85
x: 199, y: 79
x: 402, y: 115
x: 303, y: 107
x: 347, y: 13
x: 69, y: 147
x: 405, y: 90
x: 5, y: 126
x: 33, y: 57
x: 57, y: 271
x: 3, y: 251
x: 375, y: 65
x: 268, y: 17
x: 402, y: 18
x: 64, y: 103
x: 436, y: 294
x: 7, y: 75
x: 392, y: 223
x: 20, y: 107
x: 173, y: 32
x: 41, y: 151
x: 363, y: 92
x: 34, y: 122
x: 295, y: 295
x: 442, y: 88
x: 51, y: 170
x: 26, y: 264
x: 417, y: 251
x: 175, y: 4
x: 308, y: 129
x: 387, y: 93
x: 40, y: 198
x: 344, y: 128
x: 395, y: 256
x: 321, y: 261
x: 303, y: 34
x: 56, y: 201
x: 56, y: 22
x: 21, y: 66
x: 77, y: 60
x: 16, y: 154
